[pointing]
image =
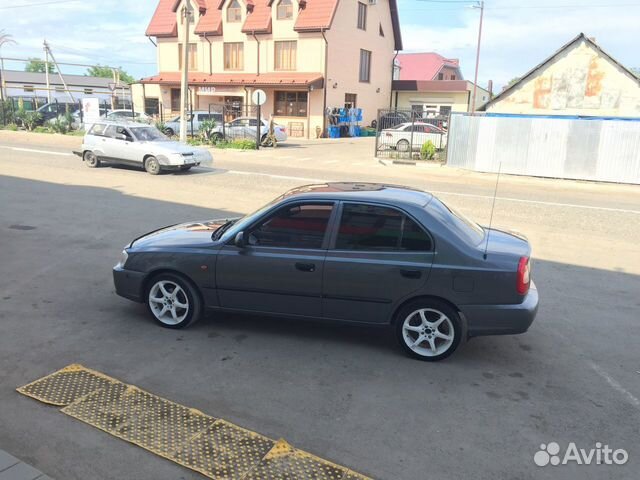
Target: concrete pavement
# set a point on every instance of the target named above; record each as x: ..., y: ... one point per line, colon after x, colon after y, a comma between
x: 345, y: 393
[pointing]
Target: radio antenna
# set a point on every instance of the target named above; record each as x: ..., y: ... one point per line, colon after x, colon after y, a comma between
x: 493, y: 206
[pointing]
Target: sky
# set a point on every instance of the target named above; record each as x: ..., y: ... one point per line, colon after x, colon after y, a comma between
x: 517, y: 34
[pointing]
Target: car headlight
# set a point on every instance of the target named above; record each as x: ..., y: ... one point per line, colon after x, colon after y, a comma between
x: 123, y: 259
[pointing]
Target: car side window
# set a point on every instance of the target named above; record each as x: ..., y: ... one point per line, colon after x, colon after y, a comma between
x: 297, y: 226
x: 376, y: 228
x: 110, y: 131
x: 125, y: 132
x: 98, y: 129
x: 253, y: 122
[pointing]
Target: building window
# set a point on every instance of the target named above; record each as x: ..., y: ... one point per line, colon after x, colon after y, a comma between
x: 441, y: 76
x: 365, y: 66
x: 362, y: 16
x: 453, y: 77
x: 88, y: 91
x: 192, y: 54
x: 381, y: 31
x: 291, y: 104
x: 234, y: 56
x: 285, y: 10
x: 152, y: 106
x: 350, y: 100
x: 28, y: 88
x: 285, y: 55
x: 234, y: 12
x: 175, y: 99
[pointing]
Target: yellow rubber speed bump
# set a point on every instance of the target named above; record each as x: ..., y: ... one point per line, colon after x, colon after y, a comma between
x: 211, y: 446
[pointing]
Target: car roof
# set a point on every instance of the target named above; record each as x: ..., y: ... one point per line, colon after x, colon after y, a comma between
x: 121, y: 123
x: 371, y: 192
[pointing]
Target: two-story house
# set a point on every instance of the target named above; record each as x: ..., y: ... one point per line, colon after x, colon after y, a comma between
x: 307, y: 55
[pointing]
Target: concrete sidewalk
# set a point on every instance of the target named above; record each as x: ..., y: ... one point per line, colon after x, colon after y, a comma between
x: 13, y: 469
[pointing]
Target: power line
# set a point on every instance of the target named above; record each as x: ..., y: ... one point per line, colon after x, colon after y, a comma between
x: 38, y: 4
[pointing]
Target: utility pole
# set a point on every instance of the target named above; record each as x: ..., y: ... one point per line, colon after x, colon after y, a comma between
x: 49, y: 52
x: 46, y: 70
x: 187, y: 13
x: 475, y: 78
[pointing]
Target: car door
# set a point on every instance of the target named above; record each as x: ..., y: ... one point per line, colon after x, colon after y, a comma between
x: 280, y: 269
x: 121, y: 143
x: 378, y: 255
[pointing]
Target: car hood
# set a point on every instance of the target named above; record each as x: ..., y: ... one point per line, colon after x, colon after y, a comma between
x: 181, y: 235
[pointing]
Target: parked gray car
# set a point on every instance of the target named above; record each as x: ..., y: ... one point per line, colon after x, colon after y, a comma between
x: 137, y: 144
x: 367, y: 254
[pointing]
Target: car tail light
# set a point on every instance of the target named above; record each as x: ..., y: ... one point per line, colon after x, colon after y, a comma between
x: 524, y: 276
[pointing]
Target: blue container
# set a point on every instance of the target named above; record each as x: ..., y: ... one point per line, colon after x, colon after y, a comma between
x: 356, y: 131
x: 334, y: 132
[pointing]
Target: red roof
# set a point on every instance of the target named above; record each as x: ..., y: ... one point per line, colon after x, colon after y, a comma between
x: 211, y: 22
x: 431, y: 85
x: 424, y: 66
x: 244, y: 79
x: 258, y: 18
x: 316, y: 15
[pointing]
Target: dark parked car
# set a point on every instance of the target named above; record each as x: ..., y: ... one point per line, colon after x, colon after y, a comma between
x: 53, y: 110
x: 367, y: 254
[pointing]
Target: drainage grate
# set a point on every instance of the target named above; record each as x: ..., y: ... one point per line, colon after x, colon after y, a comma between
x: 211, y: 446
x: 66, y: 386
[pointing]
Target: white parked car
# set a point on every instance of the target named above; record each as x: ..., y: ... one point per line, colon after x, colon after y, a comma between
x: 139, y: 145
x: 172, y: 127
x: 400, y: 137
x: 128, y: 115
x: 245, y: 127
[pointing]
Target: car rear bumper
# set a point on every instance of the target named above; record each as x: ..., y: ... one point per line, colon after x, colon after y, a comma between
x: 128, y: 283
x: 501, y: 319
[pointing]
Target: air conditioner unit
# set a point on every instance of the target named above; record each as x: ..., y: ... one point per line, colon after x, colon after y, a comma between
x: 373, y: 2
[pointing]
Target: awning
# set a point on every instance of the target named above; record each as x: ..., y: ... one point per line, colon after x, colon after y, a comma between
x: 272, y: 79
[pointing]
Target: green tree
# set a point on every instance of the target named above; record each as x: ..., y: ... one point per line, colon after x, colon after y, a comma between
x: 38, y: 66
x: 512, y: 81
x: 107, y: 72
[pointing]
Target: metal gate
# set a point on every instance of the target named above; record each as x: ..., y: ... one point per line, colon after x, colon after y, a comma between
x: 402, y: 133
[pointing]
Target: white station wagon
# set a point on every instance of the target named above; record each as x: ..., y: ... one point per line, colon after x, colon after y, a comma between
x: 139, y: 145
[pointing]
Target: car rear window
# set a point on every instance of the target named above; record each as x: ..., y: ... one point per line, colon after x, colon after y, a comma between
x: 459, y: 224
x: 98, y: 129
x: 370, y: 227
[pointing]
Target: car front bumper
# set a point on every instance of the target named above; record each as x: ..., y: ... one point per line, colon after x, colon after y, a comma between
x: 128, y: 283
x: 501, y: 319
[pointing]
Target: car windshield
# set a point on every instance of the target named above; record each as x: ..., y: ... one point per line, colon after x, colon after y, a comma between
x: 457, y: 222
x: 148, y: 134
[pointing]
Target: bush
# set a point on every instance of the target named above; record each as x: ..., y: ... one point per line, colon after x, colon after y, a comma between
x: 60, y: 125
x: 42, y: 130
x: 30, y: 119
x: 238, y: 144
x: 428, y: 150
x: 11, y: 126
x: 206, y: 131
x: 160, y: 125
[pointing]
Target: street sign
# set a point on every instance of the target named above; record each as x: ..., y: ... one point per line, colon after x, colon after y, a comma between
x: 90, y: 111
x: 259, y: 97
x: 112, y: 86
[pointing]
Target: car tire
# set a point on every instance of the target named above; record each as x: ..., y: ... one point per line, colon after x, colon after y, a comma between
x: 90, y: 159
x: 169, y: 132
x: 402, y: 145
x: 173, y: 301
x: 152, y: 166
x: 428, y: 329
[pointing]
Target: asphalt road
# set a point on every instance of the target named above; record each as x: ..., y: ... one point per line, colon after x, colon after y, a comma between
x: 347, y: 394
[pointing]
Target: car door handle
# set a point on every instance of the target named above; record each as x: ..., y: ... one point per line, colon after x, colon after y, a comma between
x: 410, y: 273
x: 306, y: 267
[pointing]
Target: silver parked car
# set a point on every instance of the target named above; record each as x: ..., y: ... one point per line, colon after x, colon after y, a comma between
x: 139, y: 145
x: 172, y: 127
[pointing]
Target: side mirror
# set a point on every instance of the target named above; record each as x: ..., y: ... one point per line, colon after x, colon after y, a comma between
x: 121, y: 136
x: 240, y: 241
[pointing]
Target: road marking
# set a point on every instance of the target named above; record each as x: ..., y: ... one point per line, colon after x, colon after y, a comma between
x: 538, y: 202
x: 32, y: 150
x: 613, y: 383
x: 327, y: 162
x: 438, y: 192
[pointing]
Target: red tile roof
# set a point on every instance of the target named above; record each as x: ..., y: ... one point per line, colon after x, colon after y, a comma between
x: 259, y: 18
x: 423, y: 66
x: 211, y: 22
x: 248, y: 79
x: 316, y: 15
x: 164, y: 22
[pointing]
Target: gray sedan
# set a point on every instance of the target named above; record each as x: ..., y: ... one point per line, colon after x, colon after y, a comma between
x: 366, y: 254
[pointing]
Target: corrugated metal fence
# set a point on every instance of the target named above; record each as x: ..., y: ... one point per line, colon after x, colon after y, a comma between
x: 603, y: 150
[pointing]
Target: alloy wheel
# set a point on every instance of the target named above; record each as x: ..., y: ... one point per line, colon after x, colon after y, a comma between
x: 428, y: 332
x: 168, y: 302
